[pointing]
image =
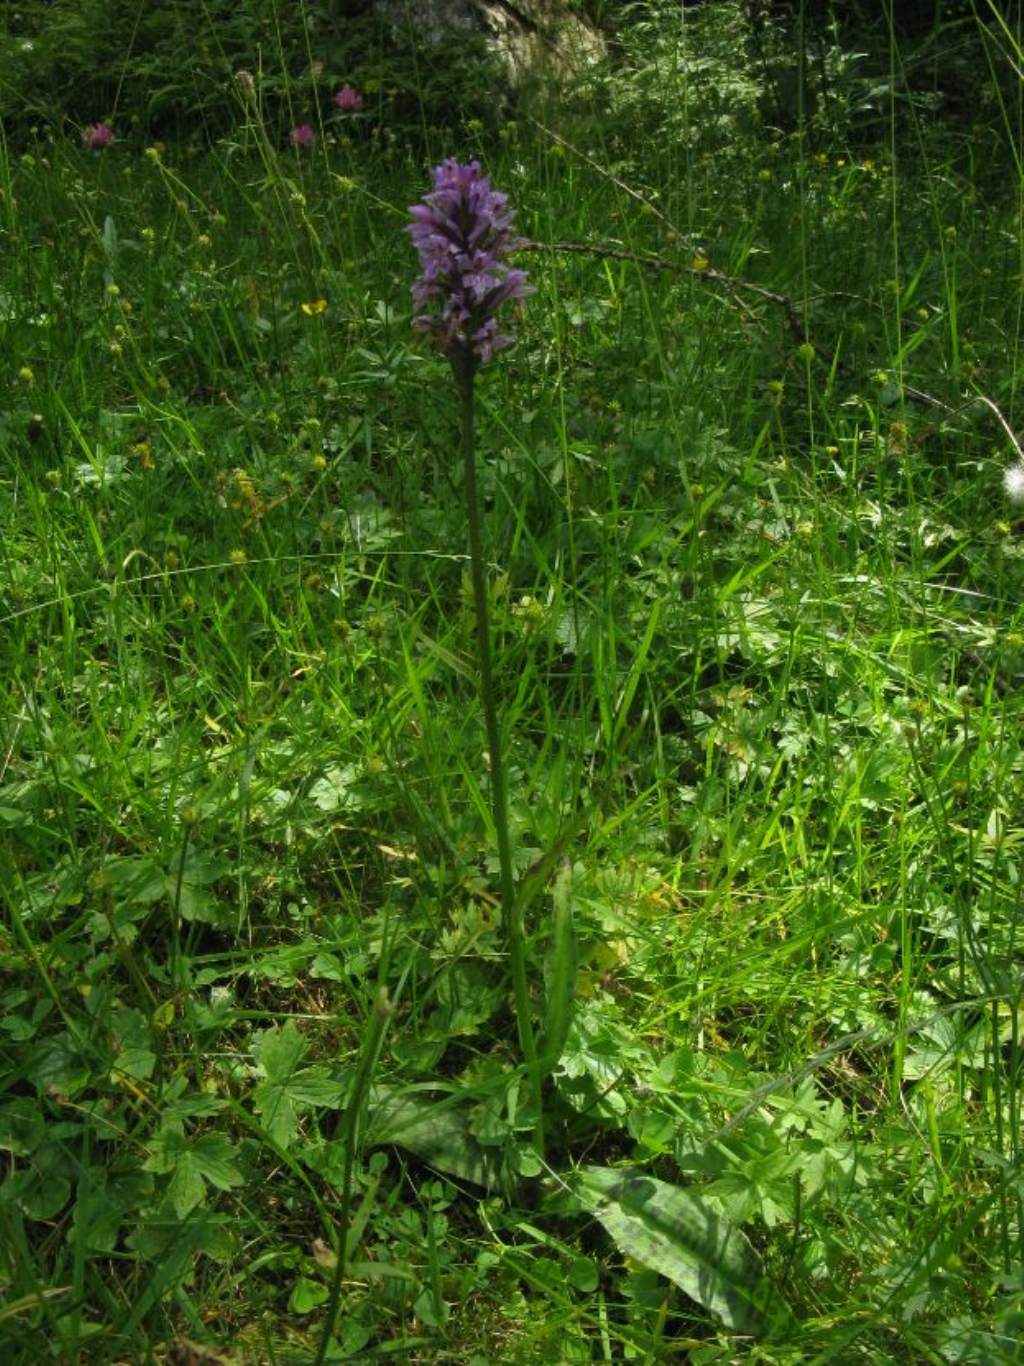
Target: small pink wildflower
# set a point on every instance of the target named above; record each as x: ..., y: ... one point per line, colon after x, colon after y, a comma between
x: 97, y: 135
x: 303, y: 136
x: 348, y: 100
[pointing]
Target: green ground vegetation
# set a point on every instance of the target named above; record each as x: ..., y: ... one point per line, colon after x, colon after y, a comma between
x: 756, y: 594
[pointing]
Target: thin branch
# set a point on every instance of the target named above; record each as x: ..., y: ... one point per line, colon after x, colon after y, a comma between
x: 923, y: 397
x: 733, y: 284
x: 667, y: 223
x: 795, y: 319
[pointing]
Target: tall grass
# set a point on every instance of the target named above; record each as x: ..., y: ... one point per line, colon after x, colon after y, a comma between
x: 756, y: 609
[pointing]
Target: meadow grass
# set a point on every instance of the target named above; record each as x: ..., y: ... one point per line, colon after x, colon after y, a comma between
x: 756, y: 601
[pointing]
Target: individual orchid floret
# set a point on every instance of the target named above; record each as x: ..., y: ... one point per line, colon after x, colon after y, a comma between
x: 463, y: 234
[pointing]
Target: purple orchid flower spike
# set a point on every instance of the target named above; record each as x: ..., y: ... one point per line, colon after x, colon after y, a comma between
x: 463, y: 234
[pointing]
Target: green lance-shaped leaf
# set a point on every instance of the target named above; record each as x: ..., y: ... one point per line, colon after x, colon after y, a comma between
x: 560, y: 974
x: 677, y: 1233
x: 438, y: 1132
x: 373, y: 1041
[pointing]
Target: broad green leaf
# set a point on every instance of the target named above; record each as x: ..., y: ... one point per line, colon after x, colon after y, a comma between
x: 328, y: 966
x: 433, y: 1313
x: 583, y: 1274
x: 57, y: 1067
x: 437, y: 1132
x: 160, y: 1233
x: 279, y: 1103
x: 136, y: 877
x: 165, y: 1149
x: 171, y: 1245
x: 137, y: 1063
x: 22, y: 1126
x: 192, y: 1105
x: 277, y: 1112
x: 466, y: 1000
x: 103, y: 1203
x: 352, y: 1337
x: 187, y: 888
x: 196, y: 903
x: 306, y: 1295
x: 37, y: 1194
x: 675, y: 1232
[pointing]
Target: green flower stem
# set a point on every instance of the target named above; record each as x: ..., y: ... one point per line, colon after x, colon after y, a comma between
x: 464, y: 368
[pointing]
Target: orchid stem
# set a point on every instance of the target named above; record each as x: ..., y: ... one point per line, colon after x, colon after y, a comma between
x: 464, y: 367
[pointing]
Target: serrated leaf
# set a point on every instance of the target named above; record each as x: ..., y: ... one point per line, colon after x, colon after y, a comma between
x: 165, y: 1150
x: 279, y: 1051
x: 163, y: 1016
x: 37, y: 1194
x: 430, y: 1311
x: 583, y: 1274
x: 136, y: 877
x: 333, y: 791
x: 328, y: 967
x: 56, y: 1066
x: 186, y: 1189
x: 193, y: 1162
x: 289, y: 1087
x: 160, y: 1234
x: 214, y: 1156
x: 677, y: 1233
x: 275, y: 1107
x: 197, y: 904
x: 195, y: 1105
x: 316, y: 1086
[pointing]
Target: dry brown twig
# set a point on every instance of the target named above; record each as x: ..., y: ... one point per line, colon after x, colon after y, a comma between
x: 733, y: 285
x: 922, y: 397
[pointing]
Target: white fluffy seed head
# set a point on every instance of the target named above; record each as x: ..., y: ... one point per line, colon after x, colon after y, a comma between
x: 1013, y: 483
